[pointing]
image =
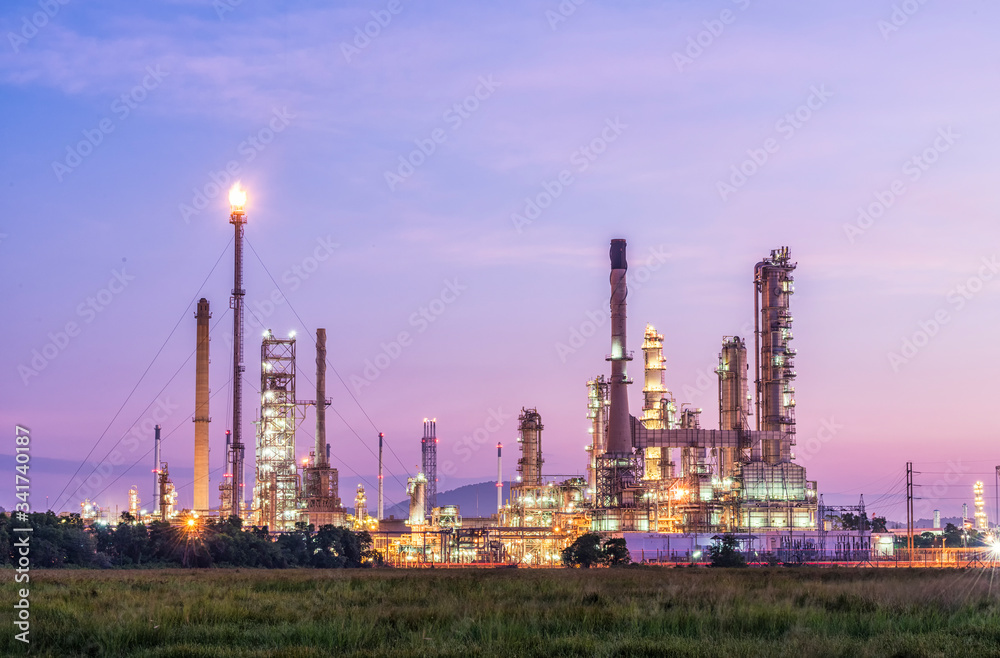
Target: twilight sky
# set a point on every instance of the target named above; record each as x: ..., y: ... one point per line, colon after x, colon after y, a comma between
x: 457, y: 176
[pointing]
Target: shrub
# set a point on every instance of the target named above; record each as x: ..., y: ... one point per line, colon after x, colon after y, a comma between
x: 725, y: 553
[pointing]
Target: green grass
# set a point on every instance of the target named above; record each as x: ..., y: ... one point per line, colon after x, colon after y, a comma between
x: 606, y: 612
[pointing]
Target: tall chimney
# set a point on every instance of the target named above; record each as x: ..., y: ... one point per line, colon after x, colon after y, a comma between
x: 619, y: 424
x: 321, y: 455
x: 201, y: 418
x: 236, y: 456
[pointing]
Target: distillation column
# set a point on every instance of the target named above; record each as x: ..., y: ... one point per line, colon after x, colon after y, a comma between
x: 529, y: 466
x: 654, y: 391
x: 658, y: 408
x: 733, y: 398
x: 774, y: 286
x: 597, y: 412
x: 201, y: 418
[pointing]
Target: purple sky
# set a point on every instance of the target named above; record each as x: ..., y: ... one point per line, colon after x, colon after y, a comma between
x: 172, y: 94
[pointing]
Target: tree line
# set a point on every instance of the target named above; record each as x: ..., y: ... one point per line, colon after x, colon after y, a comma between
x: 67, y: 542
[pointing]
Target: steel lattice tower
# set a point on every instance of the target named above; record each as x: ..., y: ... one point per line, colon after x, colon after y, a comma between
x: 276, y: 482
x: 428, y: 450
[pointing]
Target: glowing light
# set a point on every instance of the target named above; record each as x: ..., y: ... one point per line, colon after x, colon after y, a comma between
x: 237, y: 196
x: 291, y: 334
x: 190, y: 522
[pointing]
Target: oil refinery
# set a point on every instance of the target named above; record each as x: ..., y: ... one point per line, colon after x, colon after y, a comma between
x: 656, y: 477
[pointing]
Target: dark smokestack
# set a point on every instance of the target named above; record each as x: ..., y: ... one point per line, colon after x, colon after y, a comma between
x: 322, y: 451
x: 618, y: 261
x: 619, y: 425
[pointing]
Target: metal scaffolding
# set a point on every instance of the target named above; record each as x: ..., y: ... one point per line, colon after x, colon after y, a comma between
x: 428, y: 453
x: 277, y: 482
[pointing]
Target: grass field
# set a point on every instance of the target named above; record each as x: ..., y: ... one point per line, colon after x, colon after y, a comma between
x: 606, y: 612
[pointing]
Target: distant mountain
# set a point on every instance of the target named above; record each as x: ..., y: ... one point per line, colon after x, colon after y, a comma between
x: 472, y: 500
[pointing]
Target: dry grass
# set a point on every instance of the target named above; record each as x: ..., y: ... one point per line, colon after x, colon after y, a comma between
x: 627, y: 612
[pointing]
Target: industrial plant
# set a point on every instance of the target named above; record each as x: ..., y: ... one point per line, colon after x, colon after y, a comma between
x: 656, y: 477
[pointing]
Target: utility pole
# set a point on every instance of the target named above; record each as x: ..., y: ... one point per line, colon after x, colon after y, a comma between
x: 381, y: 500
x: 909, y: 509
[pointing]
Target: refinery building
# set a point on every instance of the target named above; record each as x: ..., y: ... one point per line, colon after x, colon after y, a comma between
x: 654, y: 475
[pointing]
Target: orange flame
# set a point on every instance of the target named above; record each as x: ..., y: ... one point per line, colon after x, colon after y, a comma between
x: 237, y: 196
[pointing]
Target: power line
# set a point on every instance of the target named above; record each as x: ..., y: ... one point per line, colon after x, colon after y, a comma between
x: 155, y: 397
x: 335, y: 372
x: 144, y: 456
x: 141, y: 377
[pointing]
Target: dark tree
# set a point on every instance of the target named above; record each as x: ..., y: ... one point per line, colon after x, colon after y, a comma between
x: 584, y: 552
x: 725, y: 553
x: 616, y: 552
